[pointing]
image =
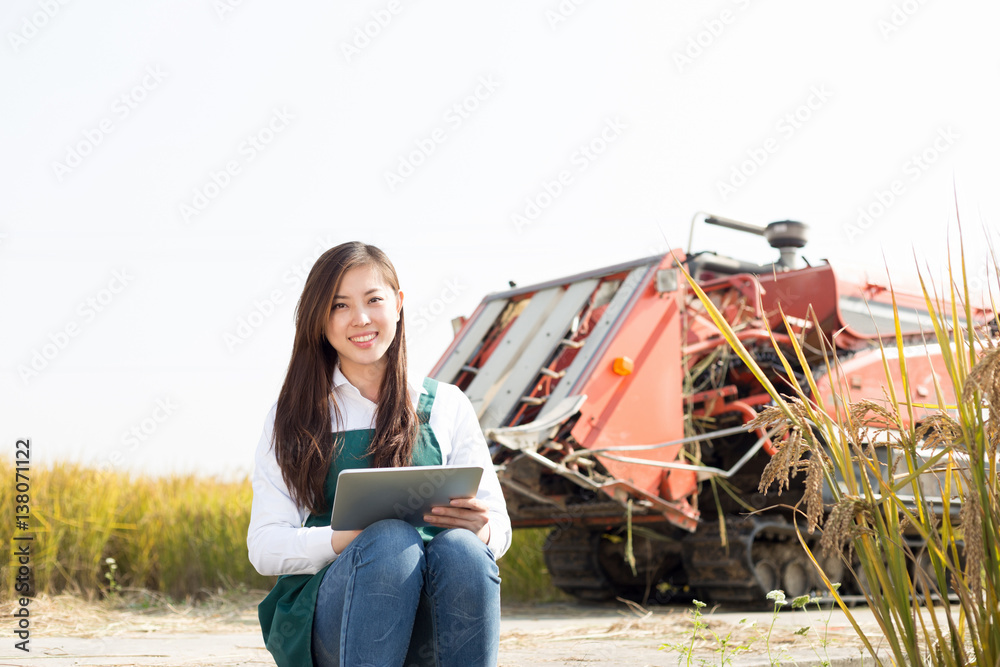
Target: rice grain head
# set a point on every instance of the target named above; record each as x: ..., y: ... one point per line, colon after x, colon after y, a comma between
x: 985, y: 378
x: 849, y: 519
x: 788, y: 455
x: 970, y: 517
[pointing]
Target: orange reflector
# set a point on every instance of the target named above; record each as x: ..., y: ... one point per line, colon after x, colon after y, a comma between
x: 623, y: 366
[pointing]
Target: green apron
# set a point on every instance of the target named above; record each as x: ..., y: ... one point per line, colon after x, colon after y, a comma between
x: 286, y: 614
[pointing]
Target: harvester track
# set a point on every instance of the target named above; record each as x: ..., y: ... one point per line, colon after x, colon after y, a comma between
x: 758, y: 556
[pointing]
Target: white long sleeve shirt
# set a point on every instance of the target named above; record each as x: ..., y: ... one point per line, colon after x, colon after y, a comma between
x: 277, y: 540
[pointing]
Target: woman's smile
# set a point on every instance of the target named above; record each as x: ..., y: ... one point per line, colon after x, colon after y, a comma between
x: 364, y: 340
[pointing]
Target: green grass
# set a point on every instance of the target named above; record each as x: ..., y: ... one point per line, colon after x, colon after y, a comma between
x: 181, y: 536
x: 523, y: 572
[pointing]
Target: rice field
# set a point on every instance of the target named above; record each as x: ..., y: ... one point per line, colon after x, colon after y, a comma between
x: 180, y: 536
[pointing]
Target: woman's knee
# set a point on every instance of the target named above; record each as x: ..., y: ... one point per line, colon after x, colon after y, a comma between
x: 460, y: 551
x: 389, y: 540
x: 393, y: 530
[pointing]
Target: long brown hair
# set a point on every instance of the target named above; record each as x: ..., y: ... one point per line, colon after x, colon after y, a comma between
x: 304, y: 443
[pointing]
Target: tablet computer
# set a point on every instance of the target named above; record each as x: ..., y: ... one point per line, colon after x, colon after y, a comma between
x: 367, y: 495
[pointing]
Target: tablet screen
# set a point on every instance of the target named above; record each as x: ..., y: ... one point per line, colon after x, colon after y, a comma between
x: 367, y: 495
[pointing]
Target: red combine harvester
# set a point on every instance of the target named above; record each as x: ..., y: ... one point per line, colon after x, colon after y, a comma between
x: 612, y: 392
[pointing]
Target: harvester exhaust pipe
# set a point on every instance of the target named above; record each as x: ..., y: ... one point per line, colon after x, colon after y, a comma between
x: 787, y: 236
x: 735, y: 224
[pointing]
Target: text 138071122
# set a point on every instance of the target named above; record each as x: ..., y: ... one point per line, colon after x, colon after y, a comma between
x: 22, y: 543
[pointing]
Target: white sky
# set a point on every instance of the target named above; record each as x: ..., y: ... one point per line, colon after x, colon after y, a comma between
x: 331, y: 124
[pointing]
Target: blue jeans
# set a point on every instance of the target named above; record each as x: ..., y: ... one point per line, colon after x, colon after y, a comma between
x: 390, y: 599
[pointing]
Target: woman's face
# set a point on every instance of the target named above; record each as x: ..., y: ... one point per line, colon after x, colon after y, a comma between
x: 363, y: 321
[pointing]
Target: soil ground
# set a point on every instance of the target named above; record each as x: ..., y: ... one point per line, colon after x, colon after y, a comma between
x: 224, y: 631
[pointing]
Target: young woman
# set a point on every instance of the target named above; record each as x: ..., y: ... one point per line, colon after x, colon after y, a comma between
x: 390, y: 594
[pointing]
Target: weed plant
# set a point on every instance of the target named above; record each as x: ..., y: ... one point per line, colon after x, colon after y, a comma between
x: 822, y: 641
x: 726, y: 647
x: 741, y: 639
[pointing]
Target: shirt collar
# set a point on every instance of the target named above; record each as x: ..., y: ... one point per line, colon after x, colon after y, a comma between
x: 339, y: 379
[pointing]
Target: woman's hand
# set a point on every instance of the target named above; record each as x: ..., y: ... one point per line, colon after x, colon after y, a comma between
x: 342, y: 539
x: 468, y: 513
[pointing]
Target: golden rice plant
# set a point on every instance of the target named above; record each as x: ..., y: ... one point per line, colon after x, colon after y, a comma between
x: 936, y: 482
x: 177, y: 535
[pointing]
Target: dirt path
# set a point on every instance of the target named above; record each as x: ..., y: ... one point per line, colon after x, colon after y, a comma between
x: 224, y: 631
